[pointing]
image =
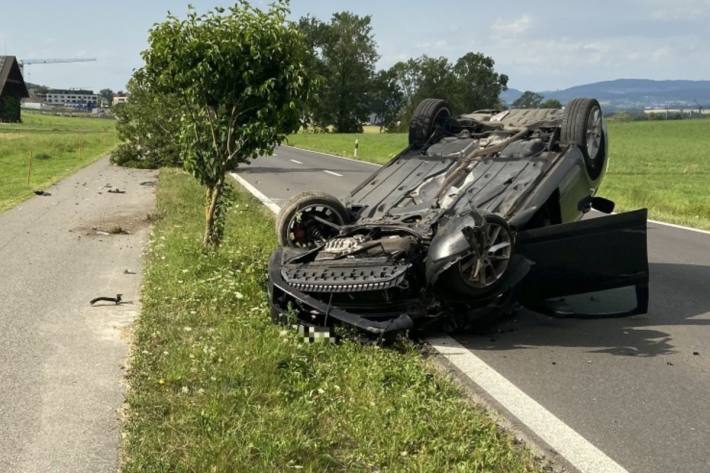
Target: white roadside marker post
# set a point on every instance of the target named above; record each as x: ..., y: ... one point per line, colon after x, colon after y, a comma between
x: 357, y: 143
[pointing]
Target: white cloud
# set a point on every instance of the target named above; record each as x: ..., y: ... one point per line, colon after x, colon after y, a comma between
x: 517, y: 26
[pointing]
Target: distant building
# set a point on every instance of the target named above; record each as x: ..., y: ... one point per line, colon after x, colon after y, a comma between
x: 72, y: 98
x: 120, y: 99
x: 12, y: 89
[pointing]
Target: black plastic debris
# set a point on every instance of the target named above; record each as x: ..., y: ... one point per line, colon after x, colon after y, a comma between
x: 42, y: 193
x: 116, y: 300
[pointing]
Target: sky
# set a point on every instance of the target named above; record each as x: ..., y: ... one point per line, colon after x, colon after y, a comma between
x: 546, y: 45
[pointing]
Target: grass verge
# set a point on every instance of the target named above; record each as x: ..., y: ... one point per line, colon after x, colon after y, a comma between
x: 373, y: 147
x: 659, y: 165
x: 58, y: 145
x: 216, y: 387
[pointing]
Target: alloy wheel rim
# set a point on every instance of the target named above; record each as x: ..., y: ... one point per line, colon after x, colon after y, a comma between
x: 489, y: 268
x: 594, y: 133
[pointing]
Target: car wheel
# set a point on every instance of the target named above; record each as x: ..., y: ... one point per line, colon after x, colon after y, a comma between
x: 583, y: 126
x: 480, y: 275
x: 430, y: 115
x: 309, y: 219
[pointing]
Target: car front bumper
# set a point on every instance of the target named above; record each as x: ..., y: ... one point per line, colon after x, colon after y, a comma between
x: 285, y: 300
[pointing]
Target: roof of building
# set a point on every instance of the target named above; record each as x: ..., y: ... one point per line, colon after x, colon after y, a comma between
x: 70, y: 92
x: 11, y: 80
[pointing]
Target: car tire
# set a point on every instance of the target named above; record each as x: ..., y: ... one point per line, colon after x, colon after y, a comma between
x: 429, y: 115
x: 583, y: 126
x: 292, y: 233
x: 460, y: 279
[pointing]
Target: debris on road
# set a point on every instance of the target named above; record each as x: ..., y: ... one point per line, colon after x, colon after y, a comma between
x: 42, y: 193
x: 116, y: 300
x: 116, y: 191
x: 118, y: 230
x: 114, y: 230
x: 148, y: 183
x: 128, y: 271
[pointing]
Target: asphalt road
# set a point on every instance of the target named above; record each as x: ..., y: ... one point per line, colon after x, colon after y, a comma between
x: 61, y: 360
x: 637, y: 388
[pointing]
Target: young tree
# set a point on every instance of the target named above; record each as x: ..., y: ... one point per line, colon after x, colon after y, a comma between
x: 386, y: 98
x: 424, y: 77
x: 147, y: 126
x: 551, y: 103
x: 241, y: 78
x: 107, y: 95
x: 529, y: 99
x: 479, y: 85
x: 344, y: 55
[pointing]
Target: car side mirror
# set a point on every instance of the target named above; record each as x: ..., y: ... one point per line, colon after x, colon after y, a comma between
x: 603, y: 205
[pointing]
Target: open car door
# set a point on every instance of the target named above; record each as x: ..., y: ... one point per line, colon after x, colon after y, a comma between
x: 591, y: 268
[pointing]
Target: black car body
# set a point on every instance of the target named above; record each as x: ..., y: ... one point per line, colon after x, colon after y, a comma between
x: 479, y: 212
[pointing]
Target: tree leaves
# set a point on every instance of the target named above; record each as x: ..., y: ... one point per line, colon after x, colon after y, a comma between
x: 239, y: 75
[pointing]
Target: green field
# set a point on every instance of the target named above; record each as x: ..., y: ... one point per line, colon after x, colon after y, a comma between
x: 216, y: 387
x: 661, y: 165
x: 374, y: 147
x: 58, y: 146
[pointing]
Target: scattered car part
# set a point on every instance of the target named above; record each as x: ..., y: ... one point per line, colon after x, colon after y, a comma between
x: 116, y: 300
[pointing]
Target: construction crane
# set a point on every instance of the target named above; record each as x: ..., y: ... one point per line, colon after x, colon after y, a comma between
x: 29, y: 62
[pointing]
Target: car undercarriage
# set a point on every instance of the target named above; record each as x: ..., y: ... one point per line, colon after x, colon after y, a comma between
x: 479, y: 214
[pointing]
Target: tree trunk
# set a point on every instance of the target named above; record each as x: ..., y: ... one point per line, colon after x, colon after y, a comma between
x: 212, y: 235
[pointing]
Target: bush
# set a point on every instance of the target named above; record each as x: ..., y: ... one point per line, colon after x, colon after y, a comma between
x: 147, y: 127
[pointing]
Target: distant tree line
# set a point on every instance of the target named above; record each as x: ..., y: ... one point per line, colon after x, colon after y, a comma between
x: 343, y: 57
x: 340, y: 56
x: 530, y: 99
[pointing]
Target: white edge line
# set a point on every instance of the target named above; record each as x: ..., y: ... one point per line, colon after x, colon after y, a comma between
x: 562, y: 438
x: 680, y: 227
x: 333, y: 155
x: 569, y: 444
x: 294, y: 160
x: 256, y: 193
x: 332, y: 173
x: 673, y: 225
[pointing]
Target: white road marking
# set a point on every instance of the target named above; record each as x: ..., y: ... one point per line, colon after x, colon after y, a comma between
x: 332, y: 173
x: 333, y: 155
x: 673, y: 225
x: 562, y: 438
x: 295, y: 161
x: 681, y: 227
x: 256, y: 193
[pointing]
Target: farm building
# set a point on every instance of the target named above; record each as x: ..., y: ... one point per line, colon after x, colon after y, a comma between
x: 12, y: 89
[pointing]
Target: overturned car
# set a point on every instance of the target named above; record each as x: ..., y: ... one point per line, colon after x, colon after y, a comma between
x: 479, y: 214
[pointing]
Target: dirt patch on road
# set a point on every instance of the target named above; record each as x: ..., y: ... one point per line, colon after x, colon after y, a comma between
x: 119, y: 224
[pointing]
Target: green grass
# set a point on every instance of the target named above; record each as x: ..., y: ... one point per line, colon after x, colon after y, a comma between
x: 664, y: 166
x: 216, y: 387
x: 661, y: 165
x: 373, y: 147
x: 59, y: 146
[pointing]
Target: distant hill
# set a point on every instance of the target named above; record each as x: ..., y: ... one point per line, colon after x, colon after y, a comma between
x: 626, y: 94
